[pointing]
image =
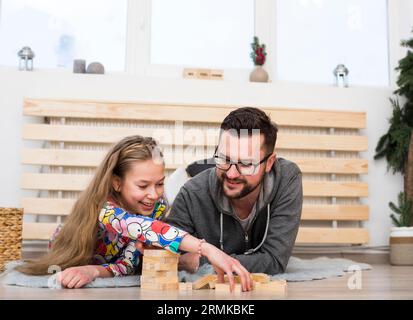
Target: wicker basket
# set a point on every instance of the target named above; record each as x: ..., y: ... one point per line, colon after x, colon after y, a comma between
x: 10, y: 235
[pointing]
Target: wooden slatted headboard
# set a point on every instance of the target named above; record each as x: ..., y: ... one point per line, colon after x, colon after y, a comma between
x: 76, y: 134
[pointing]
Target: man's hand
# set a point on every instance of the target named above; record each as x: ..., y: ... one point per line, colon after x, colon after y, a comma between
x: 225, y: 264
x: 189, y: 262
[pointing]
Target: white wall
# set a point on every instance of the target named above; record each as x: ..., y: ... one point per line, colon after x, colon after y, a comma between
x: 383, y: 186
x: 17, y: 85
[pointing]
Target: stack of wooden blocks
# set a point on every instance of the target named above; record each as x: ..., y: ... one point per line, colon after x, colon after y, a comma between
x: 262, y: 284
x: 159, y: 270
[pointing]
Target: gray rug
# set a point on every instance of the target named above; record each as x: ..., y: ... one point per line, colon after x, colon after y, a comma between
x: 12, y: 277
x: 297, y: 270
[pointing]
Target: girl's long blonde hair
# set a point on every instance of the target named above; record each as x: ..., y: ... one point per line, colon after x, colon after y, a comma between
x: 75, y: 243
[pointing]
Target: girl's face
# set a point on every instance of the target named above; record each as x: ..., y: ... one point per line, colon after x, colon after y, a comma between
x: 141, y: 187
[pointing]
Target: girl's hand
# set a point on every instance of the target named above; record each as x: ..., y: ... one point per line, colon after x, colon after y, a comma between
x: 141, y: 247
x: 225, y: 264
x: 77, y: 277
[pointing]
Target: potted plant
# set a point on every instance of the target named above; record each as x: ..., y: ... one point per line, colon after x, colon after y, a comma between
x: 397, y: 147
x: 258, y: 56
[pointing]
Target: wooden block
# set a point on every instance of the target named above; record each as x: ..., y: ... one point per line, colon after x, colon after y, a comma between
x: 160, y: 266
x: 203, y: 74
x: 217, y: 74
x: 278, y: 282
x: 155, y: 279
x: 274, y: 287
x: 257, y: 277
x: 189, y: 73
x: 260, y: 277
x: 185, y: 286
x: 147, y: 259
x: 159, y: 253
x: 225, y: 288
x: 156, y: 273
x: 160, y: 286
x: 203, y: 282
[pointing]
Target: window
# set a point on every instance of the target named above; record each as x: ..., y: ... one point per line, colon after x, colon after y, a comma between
x: 61, y: 31
x: 314, y: 36
x: 202, y: 33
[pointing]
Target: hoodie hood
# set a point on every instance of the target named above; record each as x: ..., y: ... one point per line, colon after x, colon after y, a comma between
x: 267, y: 194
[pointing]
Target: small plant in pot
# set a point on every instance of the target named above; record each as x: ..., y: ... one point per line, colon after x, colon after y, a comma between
x: 397, y: 147
x: 401, y: 236
x: 258, y: 56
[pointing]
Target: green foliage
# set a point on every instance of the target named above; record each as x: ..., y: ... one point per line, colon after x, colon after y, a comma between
x: 403, y: 210
x: 394, y: 145
x: 258, y: 54
x: 405, y: 80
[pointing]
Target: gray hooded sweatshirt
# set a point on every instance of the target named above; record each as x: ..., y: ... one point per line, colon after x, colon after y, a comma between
x: 202, y: 209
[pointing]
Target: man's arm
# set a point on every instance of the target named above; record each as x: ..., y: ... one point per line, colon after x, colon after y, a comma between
x: 273, y: 256
x: 179, y: 215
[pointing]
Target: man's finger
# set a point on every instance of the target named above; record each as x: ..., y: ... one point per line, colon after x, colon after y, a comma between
x: 220, y: 276
x: 241, y: 276
x: 248, y: 278
x: 231, y: 280
x: 244, y: 275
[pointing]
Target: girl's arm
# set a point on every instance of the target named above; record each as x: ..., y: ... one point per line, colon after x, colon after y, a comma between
x: 141, y: 228
x: 126, y: 263
x: 78, y: 277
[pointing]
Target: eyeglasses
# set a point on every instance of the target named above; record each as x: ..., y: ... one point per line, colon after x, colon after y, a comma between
x: 244, y: 168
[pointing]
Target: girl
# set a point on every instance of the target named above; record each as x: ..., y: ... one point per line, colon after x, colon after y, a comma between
x: 119, y: 211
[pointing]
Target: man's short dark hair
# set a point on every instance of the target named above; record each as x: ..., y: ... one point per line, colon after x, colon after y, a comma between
x: 249, y: 118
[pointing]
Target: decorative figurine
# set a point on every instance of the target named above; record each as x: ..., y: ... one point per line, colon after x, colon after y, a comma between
x: 26, y: 55
x: 79, y: 66
x: 341, y: 74
x: 95, y: 68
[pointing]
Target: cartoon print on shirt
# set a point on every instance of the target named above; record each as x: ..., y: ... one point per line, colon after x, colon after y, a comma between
x: 118, y: 232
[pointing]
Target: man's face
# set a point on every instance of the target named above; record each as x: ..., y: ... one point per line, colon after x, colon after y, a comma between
x: 244, y: 149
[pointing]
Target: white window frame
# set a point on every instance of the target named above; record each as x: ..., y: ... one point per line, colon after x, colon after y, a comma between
x: 138, y: 42
x: 128, y: 49
x: 396, y: 52
x: 139, y: 33
x: 392, y: 41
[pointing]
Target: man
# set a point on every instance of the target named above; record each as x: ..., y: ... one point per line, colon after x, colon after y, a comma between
x: 249, y: 204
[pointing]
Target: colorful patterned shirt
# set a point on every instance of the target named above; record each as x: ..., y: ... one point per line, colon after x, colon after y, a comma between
x: 119, y: 231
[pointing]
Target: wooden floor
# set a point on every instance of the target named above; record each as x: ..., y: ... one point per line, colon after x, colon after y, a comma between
x: 383, y: 282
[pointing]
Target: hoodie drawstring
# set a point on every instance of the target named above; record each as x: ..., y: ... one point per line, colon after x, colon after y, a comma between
x: 250, y: 251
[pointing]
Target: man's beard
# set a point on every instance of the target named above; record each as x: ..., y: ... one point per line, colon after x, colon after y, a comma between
x: 246, y: 190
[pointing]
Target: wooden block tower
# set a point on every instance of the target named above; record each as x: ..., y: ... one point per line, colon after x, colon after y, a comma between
x: 159, y: 270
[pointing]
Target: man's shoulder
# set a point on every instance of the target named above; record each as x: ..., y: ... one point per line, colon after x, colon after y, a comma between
x: 287, y: 167
x: 200, y: 182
